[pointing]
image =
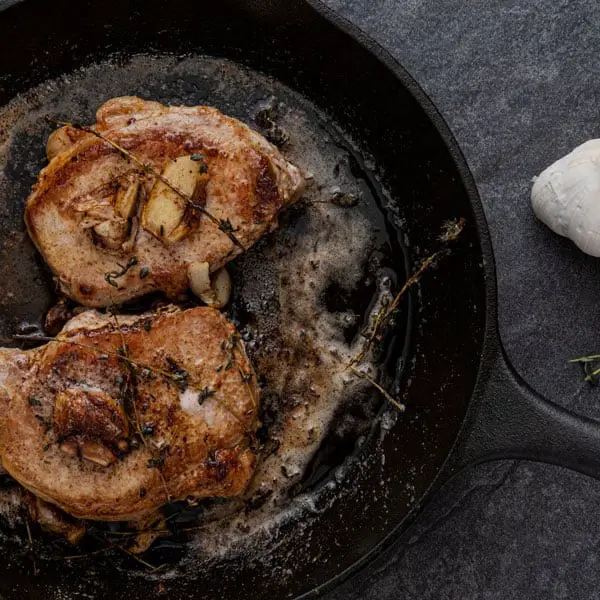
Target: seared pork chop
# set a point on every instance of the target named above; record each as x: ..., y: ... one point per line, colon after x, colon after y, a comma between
x: 124, y: 414
x: 196, y: 187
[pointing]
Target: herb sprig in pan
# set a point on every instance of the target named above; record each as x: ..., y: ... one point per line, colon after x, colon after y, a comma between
x: 224, y: 225
x: 450, y: 233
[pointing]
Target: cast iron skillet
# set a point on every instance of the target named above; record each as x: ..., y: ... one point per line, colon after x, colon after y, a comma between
x: 465, y: 403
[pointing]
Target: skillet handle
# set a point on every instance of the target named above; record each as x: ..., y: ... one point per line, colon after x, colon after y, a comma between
x: 511, y: 420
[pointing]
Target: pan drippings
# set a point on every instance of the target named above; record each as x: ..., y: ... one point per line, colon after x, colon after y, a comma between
x: 301, y: 299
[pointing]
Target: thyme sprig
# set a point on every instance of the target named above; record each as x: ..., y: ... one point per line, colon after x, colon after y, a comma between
x: 586, y: 361
x: 401, y: 407
x: 110, y: 545
x: 31, y: 547
x: 178, y: 376
x: 451, y: 231
x: 156, y: 461
x: 119, y: 355
x: 130, y: 378
x: 224, y: 225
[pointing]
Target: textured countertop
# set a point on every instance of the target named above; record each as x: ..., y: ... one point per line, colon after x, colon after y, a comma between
x: 518, y: 83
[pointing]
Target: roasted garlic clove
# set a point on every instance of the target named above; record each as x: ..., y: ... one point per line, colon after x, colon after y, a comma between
x: 167, y: 215
x: 150, y: 529
x: 57, y: 316
x: 112, y: 234
x: 214, y: 291
x: 199, y: 278
x: 59, y: 141
x: 128, y: 245
x: 70, y: 448
x: 116, y: 230
x: 221, y: 285
x: 97, y: 453
x: 145, y: 539
x: 126, y: 200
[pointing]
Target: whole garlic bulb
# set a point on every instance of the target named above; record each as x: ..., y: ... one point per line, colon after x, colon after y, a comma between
x: 566, y: 197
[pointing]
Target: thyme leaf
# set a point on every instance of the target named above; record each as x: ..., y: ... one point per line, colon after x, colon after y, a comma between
x: 205, y: 394
x: 179, y: 375
x: 147, y: 428
x: 111, y: 276
x: 226, y: 226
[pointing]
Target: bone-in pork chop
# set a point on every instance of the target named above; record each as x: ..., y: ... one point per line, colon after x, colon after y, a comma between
x: 193, y: 186
x: 124, y: 414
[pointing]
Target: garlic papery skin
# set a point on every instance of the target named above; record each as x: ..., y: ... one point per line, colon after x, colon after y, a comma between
x: 566, y: 197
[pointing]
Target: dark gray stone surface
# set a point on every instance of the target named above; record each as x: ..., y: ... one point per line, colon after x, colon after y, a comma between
x: 518, y: 83
x: 504, y: 531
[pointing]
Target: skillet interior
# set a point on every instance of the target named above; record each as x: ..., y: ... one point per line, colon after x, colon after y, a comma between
x: 292, y: 43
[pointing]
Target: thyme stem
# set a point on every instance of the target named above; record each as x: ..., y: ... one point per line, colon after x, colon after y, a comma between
x: 31, y: 547
x: 92, y: 553
x: 137, y: 365
x: 451, y: 231
x: 223, y: 225
x: 401, y: 407
x: 590, y: 377
x: 585, y: 359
